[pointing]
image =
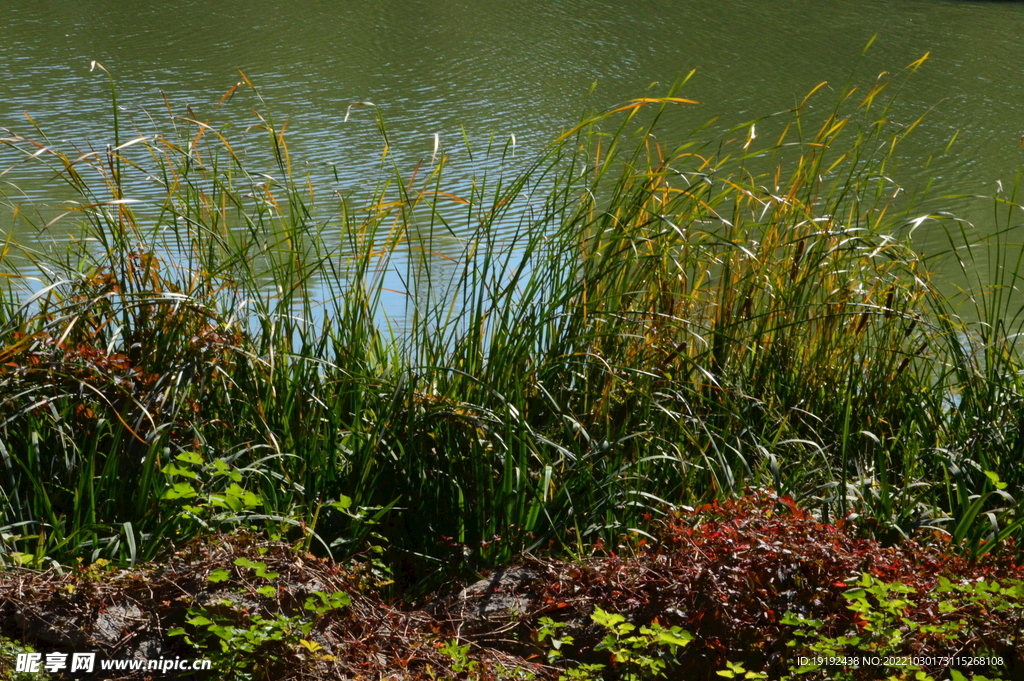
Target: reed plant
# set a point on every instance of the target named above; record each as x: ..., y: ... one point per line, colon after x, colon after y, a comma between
x: 622, y: 325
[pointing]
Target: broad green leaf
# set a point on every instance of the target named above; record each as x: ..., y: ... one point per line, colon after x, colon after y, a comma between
x: 181, y: 490
x: 221, y: 467
x: 190, y: 457
x: 171, y: 469
x: 994, y: 477
x: 219, y: 575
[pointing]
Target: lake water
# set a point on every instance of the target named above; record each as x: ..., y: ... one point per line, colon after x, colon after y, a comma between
x: 523, y: 68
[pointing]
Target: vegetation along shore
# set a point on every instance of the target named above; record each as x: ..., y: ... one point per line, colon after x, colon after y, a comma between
x: 696, y: 407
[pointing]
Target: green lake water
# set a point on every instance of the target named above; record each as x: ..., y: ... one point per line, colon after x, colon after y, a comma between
x: 524, y: 68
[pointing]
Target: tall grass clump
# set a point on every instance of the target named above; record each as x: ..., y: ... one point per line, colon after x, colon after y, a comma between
x: 622, y: 325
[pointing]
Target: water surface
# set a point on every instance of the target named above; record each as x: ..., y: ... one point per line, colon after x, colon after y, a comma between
x: 527, y: 68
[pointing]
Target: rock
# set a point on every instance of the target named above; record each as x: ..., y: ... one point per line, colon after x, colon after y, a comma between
x: 116, y: 621
x: 494, y: 604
